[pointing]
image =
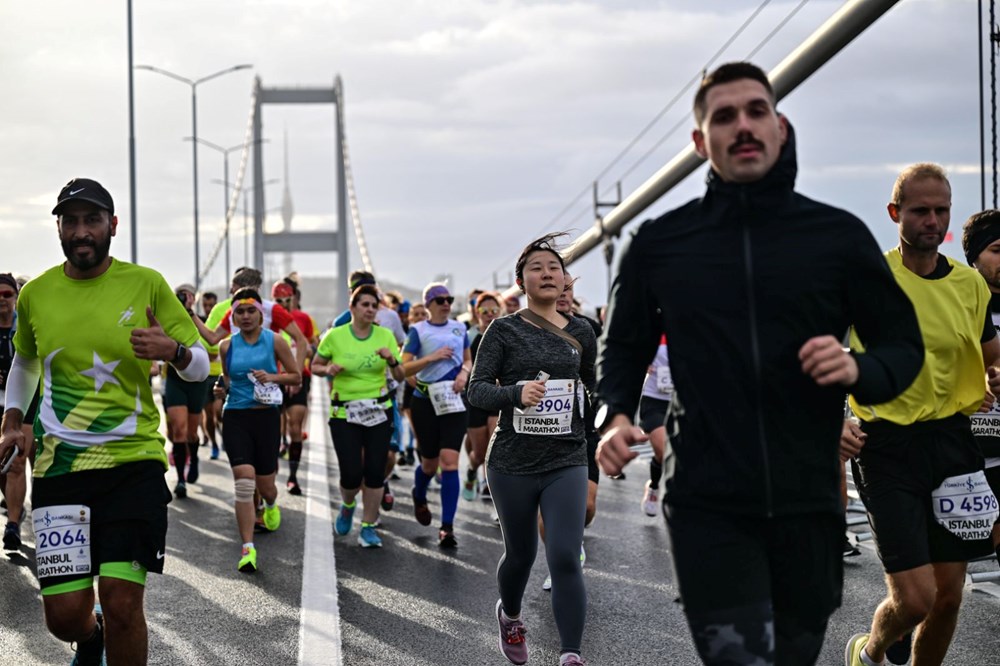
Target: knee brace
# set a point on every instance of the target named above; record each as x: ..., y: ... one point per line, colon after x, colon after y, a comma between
x: 244, y: 490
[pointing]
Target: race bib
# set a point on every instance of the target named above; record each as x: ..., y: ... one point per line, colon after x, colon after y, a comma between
x: 966, y: 506
x: 664, y: 382
x: 986, y: 425
x: 366, y: 413
x: 444, y: 399
x: 553, y: 415
x: 62, y: 540
x: 266, y: 394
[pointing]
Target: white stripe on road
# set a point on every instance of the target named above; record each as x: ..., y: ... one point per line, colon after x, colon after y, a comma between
x: 319, y: 628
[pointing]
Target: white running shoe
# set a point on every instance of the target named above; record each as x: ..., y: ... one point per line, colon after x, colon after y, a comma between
x: 547, y: 584
x: 650, y: 500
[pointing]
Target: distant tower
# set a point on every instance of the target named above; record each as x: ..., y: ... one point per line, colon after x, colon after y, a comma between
x: 287, y: 212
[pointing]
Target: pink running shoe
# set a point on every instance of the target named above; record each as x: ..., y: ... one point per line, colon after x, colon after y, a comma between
x: 512, y: 643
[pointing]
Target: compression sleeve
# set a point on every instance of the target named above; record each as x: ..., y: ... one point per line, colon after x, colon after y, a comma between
x: 22, y: 382
x: 197, y: 369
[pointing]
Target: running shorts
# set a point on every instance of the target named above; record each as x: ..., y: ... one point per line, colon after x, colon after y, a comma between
x: 434, y: 432
x: 301, y: 397
x: 193, y: 395
x: 652, y: 413
x: 252, y: 437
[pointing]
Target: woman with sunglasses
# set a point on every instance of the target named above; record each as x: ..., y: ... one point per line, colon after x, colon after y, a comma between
x: 437, y: 352
x: 534, y: 366
x: 356, y: 356
x: 251, y: 421
x: 482, y: 422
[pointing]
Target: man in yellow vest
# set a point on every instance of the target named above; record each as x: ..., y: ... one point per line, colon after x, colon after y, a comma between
x: 920, y: 472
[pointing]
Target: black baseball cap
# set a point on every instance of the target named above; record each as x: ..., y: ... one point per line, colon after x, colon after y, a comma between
x: 85, y: 189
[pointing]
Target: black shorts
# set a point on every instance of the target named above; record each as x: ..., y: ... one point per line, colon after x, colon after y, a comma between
x: 301, y: 397
x: 407, y: 395
x: 434, y: 432
x: 993, y: 478
x: 652, y: 413
x: 478, y: 418
x: 729, y: 561
x: 252, y: 437
x: 128, y: 513
x: 896, y: 472
x: 193, y: 395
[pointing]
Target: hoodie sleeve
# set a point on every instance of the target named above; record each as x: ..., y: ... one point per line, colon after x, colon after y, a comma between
x: 885, y: 322
x: 631, y: 334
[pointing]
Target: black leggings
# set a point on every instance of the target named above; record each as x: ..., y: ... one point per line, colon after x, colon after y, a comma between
x: 361, y: 452
x: 562, y: 497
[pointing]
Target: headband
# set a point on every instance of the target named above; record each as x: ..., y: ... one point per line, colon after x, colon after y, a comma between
x: 980, y: 240
x: 248, y: 301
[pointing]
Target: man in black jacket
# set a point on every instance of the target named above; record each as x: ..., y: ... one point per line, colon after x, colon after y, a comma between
x: 755, y: 286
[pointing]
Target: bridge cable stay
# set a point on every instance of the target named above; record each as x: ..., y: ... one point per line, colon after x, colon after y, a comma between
x: 994, y: 37
x: 234, y: 197
x: 359, y: 232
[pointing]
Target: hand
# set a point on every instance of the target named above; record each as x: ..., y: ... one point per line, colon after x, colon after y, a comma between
x: 852, y: 439
x: 154, y: 370
x: 333, y: 370
x: 261, y: 376
x: 460, y: 381
x: 987, y: 406
x: 993, y: 379
x: 12, y: 437
x: 440, y: 354
x: 385, y: 354
x: 824, y: 359
x: 614, y: 450
x: 152, y: 343
x: 532, y: 393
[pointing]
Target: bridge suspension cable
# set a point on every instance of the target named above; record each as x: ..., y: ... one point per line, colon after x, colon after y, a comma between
x: 359, y: 232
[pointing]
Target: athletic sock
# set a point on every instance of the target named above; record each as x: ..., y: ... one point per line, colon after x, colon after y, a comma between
x: 294, y: 456
x: 420, y: 483
x: 248, y: 544
x: 865, y: 659
x: 180, y: 459
x: 508, y: 618
x: 350, y: 505
x: 471, y: 475
x: 193, y: 449
x: 655, y: 473
x: 449, y: 495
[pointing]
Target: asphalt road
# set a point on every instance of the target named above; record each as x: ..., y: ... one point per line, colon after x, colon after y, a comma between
x: 410, y: 602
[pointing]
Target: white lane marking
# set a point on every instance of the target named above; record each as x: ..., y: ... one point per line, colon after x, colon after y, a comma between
x: 319, y: 625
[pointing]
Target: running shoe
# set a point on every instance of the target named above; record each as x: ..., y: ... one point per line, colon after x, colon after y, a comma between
x: 181, y: 490
x: 583, y: 556
x: 345, y: 519
x: 471, y: 485
x: 421, y: 511
x: 248, y: 560
x: 484, y: 492
x: 572, y: 659
x: 293, y: 487
x: 850, y: 550
x: 446, y: 537
x: 12, y: 536
x: 388, y: 499
x: 650, y: 500
x: 272, y: 517
x: 192, y: 470
x: 410, y: 458
x: 852, y: 654
x: 91, y: 652
x: 368, y: 538
x: 437, y: 476
x: 899, y: 652
x: 547, y: 583
x: 512, y: 643
x: 215, y: 451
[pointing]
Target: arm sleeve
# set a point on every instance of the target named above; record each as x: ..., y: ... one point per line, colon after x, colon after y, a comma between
x: 631, y: 334
x: 483, y: 390
x: 885, y: 322
x: 22, y: 382
x: 197, y: 369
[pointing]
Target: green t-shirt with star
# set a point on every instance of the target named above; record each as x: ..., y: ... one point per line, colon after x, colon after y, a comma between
x: 363, y: 374
x: 96, y: 409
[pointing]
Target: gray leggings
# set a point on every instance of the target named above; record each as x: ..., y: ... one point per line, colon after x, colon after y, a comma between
x: 562, y: 497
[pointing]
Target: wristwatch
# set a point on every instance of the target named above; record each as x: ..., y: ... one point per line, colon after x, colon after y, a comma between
x: 181, y: 353
x: 603, y: 416
x: 392, y: 363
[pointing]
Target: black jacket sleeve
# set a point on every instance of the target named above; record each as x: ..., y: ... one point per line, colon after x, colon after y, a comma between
x: 886, y: 323
x: 631, y: 334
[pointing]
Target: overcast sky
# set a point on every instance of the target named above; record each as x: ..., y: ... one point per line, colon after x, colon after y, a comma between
x: 471, y: 123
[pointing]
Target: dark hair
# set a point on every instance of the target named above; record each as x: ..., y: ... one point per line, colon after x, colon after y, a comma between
x: 364, y: 290
x: 979, y: 232
x: 489, y: 296
x: 727, y: 73
x: 247, y: 292
x: 546, y: 243
x: 209, y: 294
x: 249, y: 278
x: 358, y: 278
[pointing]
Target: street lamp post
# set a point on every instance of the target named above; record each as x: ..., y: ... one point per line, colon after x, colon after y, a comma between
x: 246, y: 218
x: 193, y: 83
x: 225, y: 182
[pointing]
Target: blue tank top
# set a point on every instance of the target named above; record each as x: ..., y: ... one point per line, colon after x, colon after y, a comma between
x: 240, y: 360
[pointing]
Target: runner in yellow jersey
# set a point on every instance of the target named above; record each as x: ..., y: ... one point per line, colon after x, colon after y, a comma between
x: 89, y: 329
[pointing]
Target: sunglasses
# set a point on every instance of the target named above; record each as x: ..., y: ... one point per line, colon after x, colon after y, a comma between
x: 441, y: 300
x: 6, y: 294
x: 493, y: 310
x: 282, y: 301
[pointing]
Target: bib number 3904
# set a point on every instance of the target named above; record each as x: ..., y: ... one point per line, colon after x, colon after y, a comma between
x: 966, y: 506
x: 553, y: 415
x: 62, y: 540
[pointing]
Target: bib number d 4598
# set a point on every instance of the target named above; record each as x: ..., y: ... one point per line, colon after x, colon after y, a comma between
x: 966, y: 506
x: 62, y: 540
